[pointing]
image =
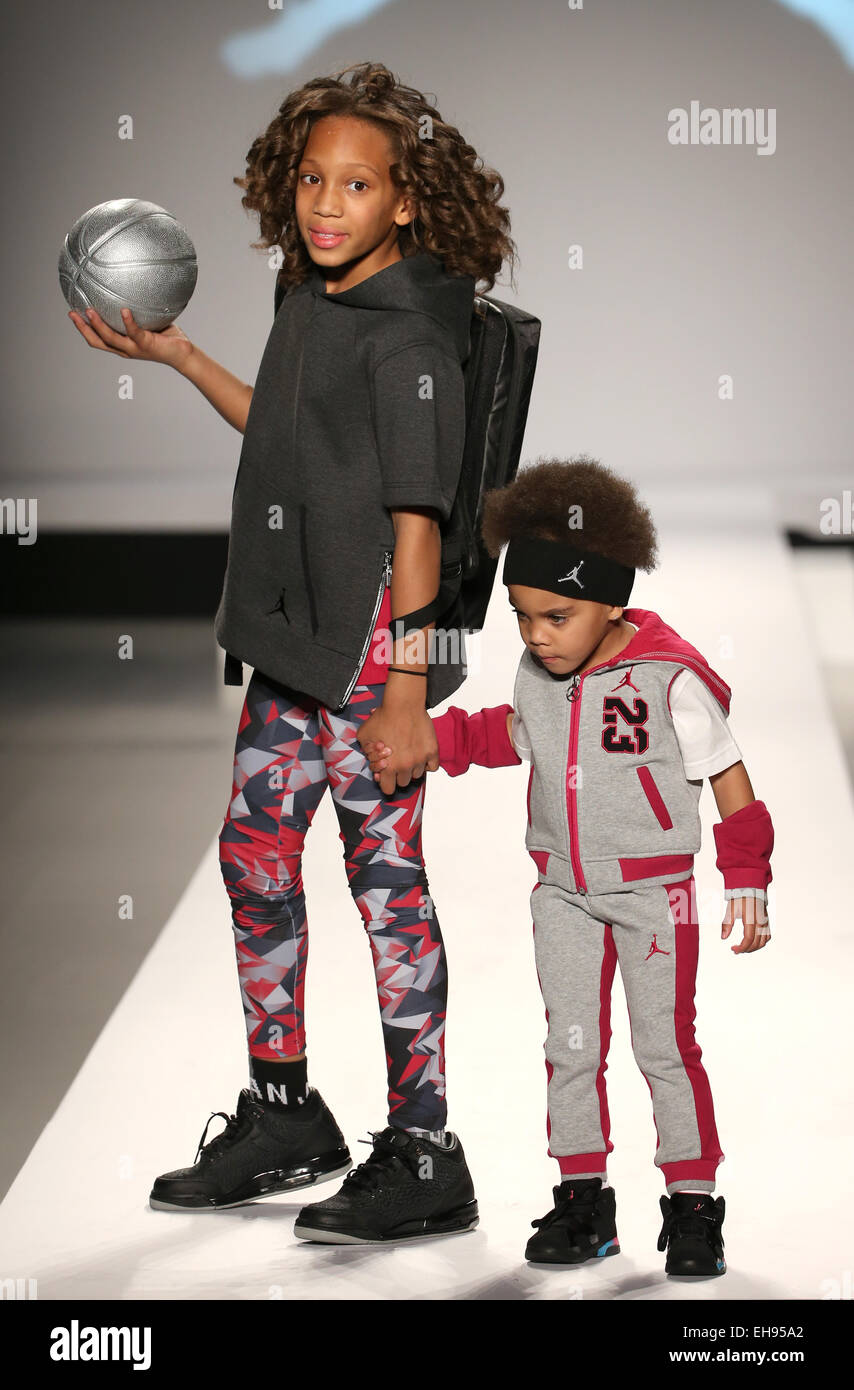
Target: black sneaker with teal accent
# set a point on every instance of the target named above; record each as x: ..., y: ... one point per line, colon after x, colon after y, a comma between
x: 581, y: 1225
x: 264, y: 1149
x: 409, y: 1188
x: 692, y: 1234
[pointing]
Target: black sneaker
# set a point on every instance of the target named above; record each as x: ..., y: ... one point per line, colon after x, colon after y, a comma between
x: 264, y: 1149
x: 407, y: 1189
x: 692, y: 1234
x: 581, y: 1225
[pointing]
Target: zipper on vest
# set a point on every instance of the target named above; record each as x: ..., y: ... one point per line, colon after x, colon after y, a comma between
x: 386, y: 579
x: 573, y: 695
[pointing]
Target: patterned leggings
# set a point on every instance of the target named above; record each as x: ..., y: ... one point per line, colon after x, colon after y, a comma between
x: 289, y: 747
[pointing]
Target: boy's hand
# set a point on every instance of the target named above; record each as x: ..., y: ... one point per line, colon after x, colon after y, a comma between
x: 400, y: 744
x: 377, y: 754
x: 757, y: 932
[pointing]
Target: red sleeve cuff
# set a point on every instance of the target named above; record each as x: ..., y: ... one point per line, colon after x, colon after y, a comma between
x: 480, y: 738
x: 449, y: 729
x: 744, y: 841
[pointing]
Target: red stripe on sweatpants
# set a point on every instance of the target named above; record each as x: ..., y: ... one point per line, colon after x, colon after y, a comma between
x: 687, y: 947
x: 582, y: 1163
x: 596, y: 1162
x: 549, y: 1067
x: 606, y: 983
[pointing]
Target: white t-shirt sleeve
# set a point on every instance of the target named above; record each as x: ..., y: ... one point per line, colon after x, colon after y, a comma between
x: 521, y: 740
x: 705, y: 741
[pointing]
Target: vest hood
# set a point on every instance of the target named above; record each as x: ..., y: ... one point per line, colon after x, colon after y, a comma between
x: 657, y: 640
x: 418, y: 284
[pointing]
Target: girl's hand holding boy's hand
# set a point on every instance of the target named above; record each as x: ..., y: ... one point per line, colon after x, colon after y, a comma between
x: 400, y: 744
x: 170, y: 345
x: 757, y: 932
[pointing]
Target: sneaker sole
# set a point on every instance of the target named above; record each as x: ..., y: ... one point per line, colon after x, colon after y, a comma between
x: 308, y: 1176
x: 689, y: 1275
x: 454, y: 1223
x: 610, y: 1247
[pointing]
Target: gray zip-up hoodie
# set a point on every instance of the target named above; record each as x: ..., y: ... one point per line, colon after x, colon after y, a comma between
x: 608, y: 800
x: 358, y: 407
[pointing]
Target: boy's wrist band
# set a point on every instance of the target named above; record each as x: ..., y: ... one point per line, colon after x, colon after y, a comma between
x: 744, y: 840
x: 404, y: 671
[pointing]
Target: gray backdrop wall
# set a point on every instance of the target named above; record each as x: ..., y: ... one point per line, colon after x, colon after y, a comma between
x: 698, y: 260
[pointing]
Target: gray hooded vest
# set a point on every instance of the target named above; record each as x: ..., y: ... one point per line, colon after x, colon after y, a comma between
x: 609, y: 805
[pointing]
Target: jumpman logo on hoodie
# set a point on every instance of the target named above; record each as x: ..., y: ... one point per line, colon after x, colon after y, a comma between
x: 627, y: 680
x: 655, y: 949
x: 573, y: 575
x: 280, y: 605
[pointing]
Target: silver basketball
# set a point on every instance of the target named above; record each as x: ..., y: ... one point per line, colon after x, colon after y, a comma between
x: 128, y: 253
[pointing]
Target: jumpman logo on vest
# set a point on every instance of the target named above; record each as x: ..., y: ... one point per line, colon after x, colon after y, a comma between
x: 655, y: 949
x: 573, y: 575
x: 627, y: 680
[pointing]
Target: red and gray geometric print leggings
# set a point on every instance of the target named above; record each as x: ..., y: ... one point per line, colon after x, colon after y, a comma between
x: 289, y: 749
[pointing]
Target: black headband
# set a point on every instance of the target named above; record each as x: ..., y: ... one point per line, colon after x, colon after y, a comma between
x: 562, y: 568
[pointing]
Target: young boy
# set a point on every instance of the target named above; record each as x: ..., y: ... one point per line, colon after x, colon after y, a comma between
x: 621, y: 719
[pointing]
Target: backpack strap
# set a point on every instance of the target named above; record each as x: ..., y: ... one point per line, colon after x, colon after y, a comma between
x: 430, y: 612
x: 233, y: 673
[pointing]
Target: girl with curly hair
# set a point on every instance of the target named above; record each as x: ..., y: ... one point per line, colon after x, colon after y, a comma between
x: 621, y: 720
x: 383, y: 221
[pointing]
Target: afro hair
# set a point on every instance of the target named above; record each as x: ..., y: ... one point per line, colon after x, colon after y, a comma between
x: 577, y: 500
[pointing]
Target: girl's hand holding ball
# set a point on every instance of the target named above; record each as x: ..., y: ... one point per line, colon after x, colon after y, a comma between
x: 169, y: 345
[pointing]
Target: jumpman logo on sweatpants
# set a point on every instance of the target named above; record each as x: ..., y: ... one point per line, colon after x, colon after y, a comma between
x: 654, y: 949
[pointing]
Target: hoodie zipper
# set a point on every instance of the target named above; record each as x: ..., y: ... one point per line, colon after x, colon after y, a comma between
x: 573, y: 695
x: 386, y: 579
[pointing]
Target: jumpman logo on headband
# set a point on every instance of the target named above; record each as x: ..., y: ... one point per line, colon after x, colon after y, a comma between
x: 655, y: 949
x: 573, y: 575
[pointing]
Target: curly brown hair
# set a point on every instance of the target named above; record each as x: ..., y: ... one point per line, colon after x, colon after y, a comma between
x: 459, y: 217
x: 615, y: 523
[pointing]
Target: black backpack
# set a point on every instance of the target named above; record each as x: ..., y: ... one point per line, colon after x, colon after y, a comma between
x: 498, y: 376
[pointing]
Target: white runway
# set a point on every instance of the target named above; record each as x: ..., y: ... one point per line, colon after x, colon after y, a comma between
x: 774, y: 1027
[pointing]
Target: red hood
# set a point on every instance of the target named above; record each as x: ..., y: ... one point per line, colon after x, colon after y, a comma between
x: 656, y: 640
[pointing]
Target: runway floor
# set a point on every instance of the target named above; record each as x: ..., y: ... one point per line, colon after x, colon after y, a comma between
x: 774, y: 1027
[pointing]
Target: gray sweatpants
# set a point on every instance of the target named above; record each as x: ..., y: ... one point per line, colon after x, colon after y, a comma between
x: 653, y: 933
